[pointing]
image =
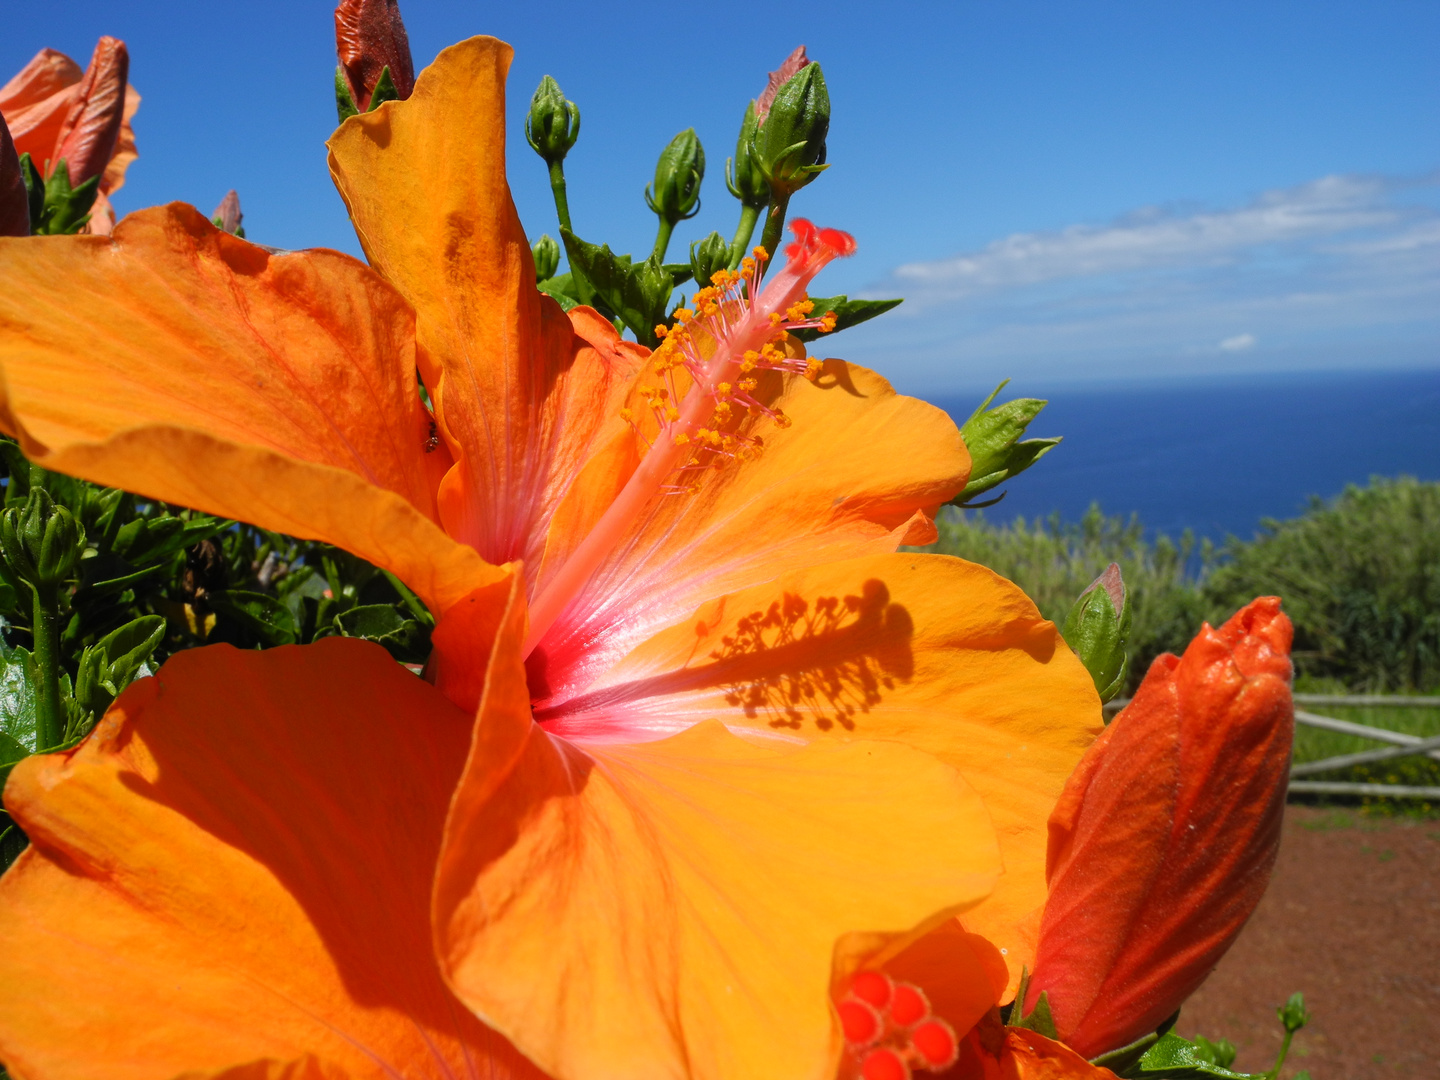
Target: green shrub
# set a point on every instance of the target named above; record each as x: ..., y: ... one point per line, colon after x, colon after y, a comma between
x: 1360, y: 577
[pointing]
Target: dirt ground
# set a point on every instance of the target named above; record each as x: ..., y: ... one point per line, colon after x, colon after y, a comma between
x: 1352, y: 919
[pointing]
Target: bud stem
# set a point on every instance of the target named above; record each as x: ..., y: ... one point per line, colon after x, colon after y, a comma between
x: 49, y: 720
x: 1274, y: 1073
x: 662, y: 240
x: 749, y: 215
x: 774, y: 224
x: 585, y: 294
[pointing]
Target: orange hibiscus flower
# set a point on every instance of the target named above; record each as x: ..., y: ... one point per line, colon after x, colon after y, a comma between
x: 55, y: 110
x: 744, y: 747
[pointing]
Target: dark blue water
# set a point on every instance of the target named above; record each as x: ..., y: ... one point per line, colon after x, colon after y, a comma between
x: 1217, y: 456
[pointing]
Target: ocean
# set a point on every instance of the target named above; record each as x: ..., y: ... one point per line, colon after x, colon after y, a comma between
x: 1217, y: 456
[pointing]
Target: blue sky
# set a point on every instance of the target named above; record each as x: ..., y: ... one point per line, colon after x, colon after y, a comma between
x: 1062, y: 191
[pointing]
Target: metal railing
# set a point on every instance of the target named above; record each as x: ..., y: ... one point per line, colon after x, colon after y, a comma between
x: 1401, y: 744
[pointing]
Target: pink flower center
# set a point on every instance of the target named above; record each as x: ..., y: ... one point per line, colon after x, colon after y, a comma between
x: 720, y: 342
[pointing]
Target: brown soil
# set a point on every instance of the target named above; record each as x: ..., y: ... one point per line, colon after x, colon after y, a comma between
x: 1352, y: 919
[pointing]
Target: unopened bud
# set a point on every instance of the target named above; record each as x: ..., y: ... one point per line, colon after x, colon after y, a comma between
x: 14, y: 195
x: 553, y: 123
x: 742, y: 174
x: 91, y: 128
x: 790, y: 142
x: 546, y: 253
x: 370, y: 40
x: 708, y: 257
x: 678, y: 173
x: 227, y: 215
x: 40, y: 540
x: 778, y: 78
x: 1293, y: 1013
x: 997, y: 453
x: 1098, y: 629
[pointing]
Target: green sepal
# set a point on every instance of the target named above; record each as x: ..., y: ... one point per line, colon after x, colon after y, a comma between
x: 848, y: 313
x: 638, y: 293
x: 66, y: 208
x: 743, y: 175
x: 997, y: 454
x: 384, y: 90
x: 405, y: 639
x: 789, y: 145
x: 34, y: 191
x: 113, y: 663
x: 1174, y: 1058
x: 345, y: 106
x: 1040, y: 1019
x: 1097, y: 627
x: 707, y: 257
x: 263, y: 615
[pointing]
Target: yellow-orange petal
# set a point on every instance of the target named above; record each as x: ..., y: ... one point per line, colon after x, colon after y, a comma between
x: 673, y: 908
x: 237, y: 867
x: 524, y: 394
x: 926, y: 650
x: 180, y: 362
x: 858, y: 472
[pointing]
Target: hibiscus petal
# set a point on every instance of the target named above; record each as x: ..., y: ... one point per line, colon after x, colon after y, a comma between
x: 927, y: 650
x: 236, y: 867
x: 182, y: 363
x: 523, y: 396
x: 35, y: 101
x: 858, y: 472
x: 673, y: 908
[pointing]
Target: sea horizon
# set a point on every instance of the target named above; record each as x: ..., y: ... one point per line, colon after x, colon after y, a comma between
x: 1217, y: 455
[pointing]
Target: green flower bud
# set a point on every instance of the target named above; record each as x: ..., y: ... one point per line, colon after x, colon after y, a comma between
x: 789, y: 145
x: 1098, y: 629
x: 546, y: 253
x: 678, y: 173
x: 41, y: 541
x: 1293, y: 1013
x: 997, y: 451
x: 553, y: 124
x: 743, y: 175
x: 707, y: 257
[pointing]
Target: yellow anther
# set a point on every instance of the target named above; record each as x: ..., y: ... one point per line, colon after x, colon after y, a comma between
x: 683, y: 315
x: 682, y: 439
x: 724, y: 389
x: 746, y: 385
x: 672, y: 414
x: 748, y: 361
x: 627, y: 415
x: 759, y: 253
x: 812, y: 369
x: 662, y: 331
x: 747, y: 266
x: 827, y: 322
x: 776, y: 318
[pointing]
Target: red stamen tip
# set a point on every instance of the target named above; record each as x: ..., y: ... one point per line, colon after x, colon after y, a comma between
x: 872, y: 987
x: 860, y: 1022
x: 935, y: 1041
x: 909, y: 1005
x: 884, y: 1064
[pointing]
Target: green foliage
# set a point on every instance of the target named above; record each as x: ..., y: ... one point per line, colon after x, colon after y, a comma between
x: 1360, y: 577
x: 848, y: 313
x: 637, y: 293
x: 998, y: 451
x: 1055, y: 561
x: 1174, y: 1058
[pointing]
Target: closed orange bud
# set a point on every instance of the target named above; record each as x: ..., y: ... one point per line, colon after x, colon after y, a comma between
x: 1164, y: 837
x: 91, y: 128
x: 369, y: 37
x: 14, y: 198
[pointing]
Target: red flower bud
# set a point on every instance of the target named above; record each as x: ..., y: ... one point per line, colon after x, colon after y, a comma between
x: 91, y: 128
x: 14, y: 200
x: 370, y: 37
x: 1163, y: 839
x: 778, y: 78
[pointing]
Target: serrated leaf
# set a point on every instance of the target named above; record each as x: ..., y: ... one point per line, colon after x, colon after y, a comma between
x: 114, y: 662
x: 1174, y: 1058
x: 848, y: 313
x: 263, y: 615
x: 17, y: 696
x: 557, y: 289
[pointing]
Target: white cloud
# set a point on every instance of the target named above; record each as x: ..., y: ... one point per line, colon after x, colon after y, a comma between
x: 1341, y: 271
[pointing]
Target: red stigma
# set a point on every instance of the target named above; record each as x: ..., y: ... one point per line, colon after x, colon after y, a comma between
x: 936, y: 1043
x: 909, y: 1006
x: 872, y: 987
x: 818, y: 244
x: 884, y: 1064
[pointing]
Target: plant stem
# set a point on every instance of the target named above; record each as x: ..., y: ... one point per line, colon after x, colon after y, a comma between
x: 1284, y: 1050
x: 662, y: 238
x: 584, y: 293
x: 774, y: 225
x: 49, y: 717
x: 746, y: 229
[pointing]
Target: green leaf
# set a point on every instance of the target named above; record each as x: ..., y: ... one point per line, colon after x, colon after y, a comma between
x: 679, y: 272
x: 1174, y: 1058
x: 114, y: 662
x: 993, y: 438
x: 558, y: 288
x: 848, y: 313
x: 344, y: 104
x: 12, y: 843
x: 1221, y: 1052
x: 17, y: 708
x: 638, y: 293
x: 263, y: 615
x: 404, y: 638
